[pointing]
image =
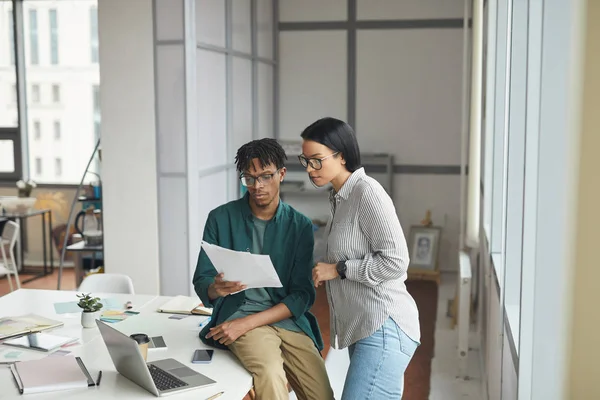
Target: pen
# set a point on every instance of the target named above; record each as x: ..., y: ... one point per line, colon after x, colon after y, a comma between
x: 206, y: 321
x: 215, y: 396
x: 99, y: 378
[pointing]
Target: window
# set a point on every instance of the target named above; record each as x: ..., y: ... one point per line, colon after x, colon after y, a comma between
x: 56, y: 93
x: 96, y: 105
x: 7, y: 158
x: 10, y: 139
x: 10, y: 168
x: 96, y: 99
x: 34, y: 51
x: 11, y: 36
x: 38, y: 166
x: 94, y: 33
x: 35, y: 93
x: 58, y: 167
x: 53, y: 18
x: 37, y: 130
x: 56, y: 130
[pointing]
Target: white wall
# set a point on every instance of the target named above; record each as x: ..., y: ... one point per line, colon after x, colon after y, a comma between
x: 128, y: 141
x: 406, y: 90
x: 211, y: 72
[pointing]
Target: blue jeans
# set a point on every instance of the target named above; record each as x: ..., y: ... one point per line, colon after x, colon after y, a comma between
x: 377, y: 364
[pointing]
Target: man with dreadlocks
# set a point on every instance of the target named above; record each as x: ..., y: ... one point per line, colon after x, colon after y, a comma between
x: 270, y: 330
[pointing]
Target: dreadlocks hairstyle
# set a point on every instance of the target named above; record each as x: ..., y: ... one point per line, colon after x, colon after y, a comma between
x: 268, y: 151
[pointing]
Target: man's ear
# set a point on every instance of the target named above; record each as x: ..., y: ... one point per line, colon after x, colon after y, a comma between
x: 282, y: 172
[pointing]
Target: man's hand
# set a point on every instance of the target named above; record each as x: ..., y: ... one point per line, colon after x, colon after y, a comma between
x: 324, y: 272
x: 229, y: 332
x: 221, y: 288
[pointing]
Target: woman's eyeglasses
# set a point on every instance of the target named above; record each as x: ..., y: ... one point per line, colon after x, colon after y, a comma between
x: 249, y: 180
x: 315, y: 163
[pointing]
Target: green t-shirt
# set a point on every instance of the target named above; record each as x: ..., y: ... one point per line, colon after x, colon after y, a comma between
x: 258, y: 300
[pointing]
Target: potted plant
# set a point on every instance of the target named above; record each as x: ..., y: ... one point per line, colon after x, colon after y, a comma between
x: 91, y: 308
x: 25, y: 188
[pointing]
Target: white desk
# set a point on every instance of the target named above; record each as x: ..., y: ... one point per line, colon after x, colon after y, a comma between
x: 181, y: 337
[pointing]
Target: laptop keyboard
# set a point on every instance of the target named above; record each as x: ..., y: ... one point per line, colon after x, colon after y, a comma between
x: 163, y: 380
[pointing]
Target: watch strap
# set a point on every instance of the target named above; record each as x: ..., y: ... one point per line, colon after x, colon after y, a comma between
x: 341, y: 269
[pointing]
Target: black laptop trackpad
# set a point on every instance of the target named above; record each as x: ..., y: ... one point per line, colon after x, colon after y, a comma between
x: 183, y: 372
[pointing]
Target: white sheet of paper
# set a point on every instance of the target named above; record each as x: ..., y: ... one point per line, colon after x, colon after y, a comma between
x: 252, y: 270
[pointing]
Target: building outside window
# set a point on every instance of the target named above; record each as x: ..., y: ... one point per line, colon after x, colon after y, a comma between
x: 58, y: 167
x: 55, y: 93
x: 94, y: 33
x: 57, y: 132
x: 61, y: 51
x: 35, y: 93
x: 37, y: 130
x: 38, y: 166
x: 53, y: 19
x: 96, y: 104
x: 34, y: 51
x: 11, y: 36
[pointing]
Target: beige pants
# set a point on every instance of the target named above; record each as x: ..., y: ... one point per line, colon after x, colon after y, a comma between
x: 275, y: 356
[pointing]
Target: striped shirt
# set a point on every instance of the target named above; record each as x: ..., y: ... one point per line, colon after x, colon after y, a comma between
x: 364, y: 231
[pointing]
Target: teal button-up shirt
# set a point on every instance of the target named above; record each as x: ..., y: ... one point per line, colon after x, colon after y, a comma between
x: 288, y: 240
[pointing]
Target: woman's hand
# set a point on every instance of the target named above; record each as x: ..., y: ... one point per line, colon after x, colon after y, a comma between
x: 324, y: 272
x: 228, y: 332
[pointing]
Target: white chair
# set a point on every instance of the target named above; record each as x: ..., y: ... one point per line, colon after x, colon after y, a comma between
x: 107, y: 283
x: 8, y: 265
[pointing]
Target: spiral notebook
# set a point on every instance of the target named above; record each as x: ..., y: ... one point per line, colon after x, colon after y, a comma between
x: 51, y: 374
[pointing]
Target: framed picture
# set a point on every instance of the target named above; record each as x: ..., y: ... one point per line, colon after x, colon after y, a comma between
x: 423, y: 247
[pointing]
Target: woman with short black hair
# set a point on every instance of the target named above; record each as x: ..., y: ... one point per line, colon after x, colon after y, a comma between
x: 365, y: 267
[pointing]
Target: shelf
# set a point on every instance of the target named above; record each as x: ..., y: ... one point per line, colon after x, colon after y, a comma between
x: 91, y: 199
x: 81, y: 246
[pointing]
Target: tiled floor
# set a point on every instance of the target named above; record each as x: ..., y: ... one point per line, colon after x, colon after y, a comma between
x: 444, y: 384
x: 47, y: 282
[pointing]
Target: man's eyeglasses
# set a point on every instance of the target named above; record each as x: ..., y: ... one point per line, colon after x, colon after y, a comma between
x: 249, y: 180
x: 315, y: 163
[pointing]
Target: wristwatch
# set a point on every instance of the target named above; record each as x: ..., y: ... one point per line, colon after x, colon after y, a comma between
x: 341, y: 269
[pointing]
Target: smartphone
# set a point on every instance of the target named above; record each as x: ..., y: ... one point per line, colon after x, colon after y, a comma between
x: 202, y: 356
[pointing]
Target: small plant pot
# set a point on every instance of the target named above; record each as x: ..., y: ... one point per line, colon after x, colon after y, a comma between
x: 88, y: 319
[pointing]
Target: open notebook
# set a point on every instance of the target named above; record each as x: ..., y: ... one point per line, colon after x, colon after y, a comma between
x: 50, y: 374
x: 184, y: 305
x: 22, y: 325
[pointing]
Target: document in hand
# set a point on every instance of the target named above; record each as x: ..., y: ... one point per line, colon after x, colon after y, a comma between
x: 252, y: 270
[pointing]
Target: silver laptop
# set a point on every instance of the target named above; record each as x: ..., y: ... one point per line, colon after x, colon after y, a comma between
x: 161, y: 378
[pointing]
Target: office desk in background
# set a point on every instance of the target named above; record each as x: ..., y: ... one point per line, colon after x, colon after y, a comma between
x: 47, y: 246
x: 181, y: 337
x: 80, y: 249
